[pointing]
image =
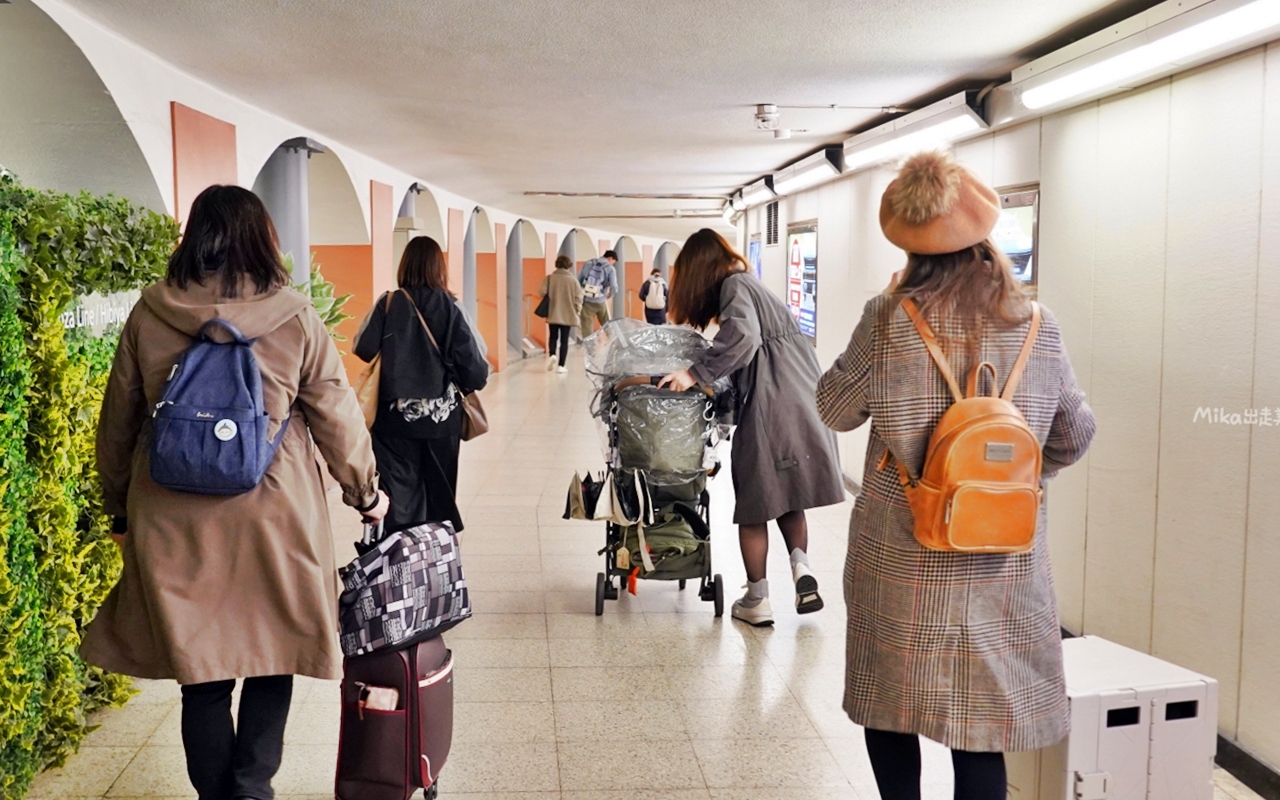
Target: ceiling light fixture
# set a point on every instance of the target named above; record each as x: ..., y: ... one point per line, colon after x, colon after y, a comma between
x: 810, y: 171
x: 729, y: 213
x: 938, y: 125
x: 759, y: 192
x: 736, y: 201
x: 1163, y: 40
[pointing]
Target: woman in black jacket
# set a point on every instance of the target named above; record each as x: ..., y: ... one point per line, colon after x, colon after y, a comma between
x: 418, y: 428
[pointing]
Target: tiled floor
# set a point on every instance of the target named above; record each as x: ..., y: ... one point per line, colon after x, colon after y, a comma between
x: 656, y: 699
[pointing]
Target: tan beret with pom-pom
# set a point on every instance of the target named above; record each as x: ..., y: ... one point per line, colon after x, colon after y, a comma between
x: 937, y: 206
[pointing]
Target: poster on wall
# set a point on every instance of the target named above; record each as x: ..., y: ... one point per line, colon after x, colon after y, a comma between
x: 1016, y: 231
x: 802, y: 276
x: 755, y: 256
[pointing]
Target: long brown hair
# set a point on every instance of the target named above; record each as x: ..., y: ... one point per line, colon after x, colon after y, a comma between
x: 229, y: 235
x: 701, y: 268
x: 977, y: 283
x: 422, y: 265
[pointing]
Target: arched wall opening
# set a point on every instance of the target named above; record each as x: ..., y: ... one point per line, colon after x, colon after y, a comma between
x: 482, y: 286
x: 60, y: 129
x: 526, y: 267
x: 577, y: 245
x: 665, y: 257
x: 418, y: 215
x: 317, y: 210
x: 630, y: 266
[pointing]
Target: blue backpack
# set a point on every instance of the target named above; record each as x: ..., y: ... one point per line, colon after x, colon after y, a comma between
x: 211, y: 429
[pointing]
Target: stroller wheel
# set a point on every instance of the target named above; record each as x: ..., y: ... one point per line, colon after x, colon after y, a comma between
x: 682, y: 583
x: 600, y: 586
x: 719, y: 598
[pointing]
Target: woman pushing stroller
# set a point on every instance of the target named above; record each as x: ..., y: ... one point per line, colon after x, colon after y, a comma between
x: 784, y: 458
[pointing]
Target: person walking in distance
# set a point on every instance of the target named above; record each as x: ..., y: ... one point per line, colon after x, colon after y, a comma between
x: 599, y: 281
x: 564, y: 305
x: 216, y: 588
x: 430, y: 358
x: 961, y: 647
x: 784, y: 459
x: 653, y: 293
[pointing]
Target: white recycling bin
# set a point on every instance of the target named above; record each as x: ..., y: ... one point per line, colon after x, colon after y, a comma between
x: 1141, y: 729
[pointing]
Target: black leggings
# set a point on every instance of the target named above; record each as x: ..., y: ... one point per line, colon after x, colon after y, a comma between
x: 560, y: 332
x: 225, y: 759
x: 895, y: 759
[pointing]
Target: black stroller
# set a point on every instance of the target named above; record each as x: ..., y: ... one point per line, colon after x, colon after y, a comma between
x: 653, y: 497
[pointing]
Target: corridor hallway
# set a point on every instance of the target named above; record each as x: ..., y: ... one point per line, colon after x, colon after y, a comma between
x: 657, y: 699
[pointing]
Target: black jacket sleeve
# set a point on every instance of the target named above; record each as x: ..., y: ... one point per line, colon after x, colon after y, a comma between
x: 369, y: 340
x: 644, y: 290
x: 470, y: 369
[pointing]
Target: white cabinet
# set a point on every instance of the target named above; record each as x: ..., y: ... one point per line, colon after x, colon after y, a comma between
x: 1141, y: 729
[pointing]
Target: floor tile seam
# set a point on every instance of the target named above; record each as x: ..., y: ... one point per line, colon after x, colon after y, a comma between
x: 137, y: 752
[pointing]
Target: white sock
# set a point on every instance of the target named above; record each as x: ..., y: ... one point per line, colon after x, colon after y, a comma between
x: 799, y: 556
x: 756, y: 591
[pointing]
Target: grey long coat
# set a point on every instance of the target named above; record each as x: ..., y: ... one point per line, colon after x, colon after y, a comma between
x: 962, y: 648
x: 784, y: 458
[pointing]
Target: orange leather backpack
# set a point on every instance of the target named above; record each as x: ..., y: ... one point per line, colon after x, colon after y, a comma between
x: 979, y: 491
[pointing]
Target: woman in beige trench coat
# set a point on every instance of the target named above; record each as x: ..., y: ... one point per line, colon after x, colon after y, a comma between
x: 216, y: 588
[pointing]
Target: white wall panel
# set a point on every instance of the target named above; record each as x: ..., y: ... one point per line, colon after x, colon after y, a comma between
x: 1128, y: 321
x: 978, y: 155
x: 1215, y: 151
x: 1016, y: 153
x: 1259, y: 728
x: 1068, y: 196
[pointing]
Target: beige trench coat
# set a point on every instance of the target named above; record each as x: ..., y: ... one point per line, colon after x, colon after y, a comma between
x: 564, y: 298
x: 228, y: 587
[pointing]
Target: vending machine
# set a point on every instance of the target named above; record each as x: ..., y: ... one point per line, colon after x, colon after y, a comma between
x: 1141, y: 729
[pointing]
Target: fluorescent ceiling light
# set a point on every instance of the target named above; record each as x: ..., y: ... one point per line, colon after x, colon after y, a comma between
x: 935, y: 126
x: 729, y: 213
x: 759, y: 192
x: 818, y: 168
x: 735, y: 200
x: 1160, y: 51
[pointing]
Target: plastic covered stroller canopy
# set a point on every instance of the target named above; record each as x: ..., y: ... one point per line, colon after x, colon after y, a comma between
x: 625, y: 348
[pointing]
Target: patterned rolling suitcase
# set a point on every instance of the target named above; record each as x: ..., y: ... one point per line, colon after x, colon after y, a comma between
x: 397, y: 722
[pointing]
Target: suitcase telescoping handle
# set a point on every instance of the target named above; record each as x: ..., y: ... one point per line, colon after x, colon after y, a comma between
x: 372, y: 532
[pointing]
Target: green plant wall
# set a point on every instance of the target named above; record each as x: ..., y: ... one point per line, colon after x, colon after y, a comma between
x: 56, y: 562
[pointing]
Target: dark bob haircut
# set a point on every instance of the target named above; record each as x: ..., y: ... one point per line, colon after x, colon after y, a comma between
x: 422, y: 265
x: 701, y: 268
x: 229, y: 235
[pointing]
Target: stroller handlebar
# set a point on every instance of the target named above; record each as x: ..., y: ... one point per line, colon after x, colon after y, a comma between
x: 650, y: 380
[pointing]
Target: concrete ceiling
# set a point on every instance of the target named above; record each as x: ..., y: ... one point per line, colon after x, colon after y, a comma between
x: 493, y: 99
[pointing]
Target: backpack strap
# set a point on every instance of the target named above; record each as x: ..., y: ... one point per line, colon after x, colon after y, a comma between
x: 1015, y: 374
x: 931, y: 342
x: 218, y: 322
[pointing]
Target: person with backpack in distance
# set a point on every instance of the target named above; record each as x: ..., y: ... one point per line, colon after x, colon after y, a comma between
x: 653, y: 293
x: 430, y: 358
x: 953, y: 625
x: 564, y: 306
x: 784, y: 459
x: 599, y: 281
x: 224, y: 383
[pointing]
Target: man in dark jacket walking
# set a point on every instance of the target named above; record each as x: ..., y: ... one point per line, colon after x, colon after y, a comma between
x: 653, y: 293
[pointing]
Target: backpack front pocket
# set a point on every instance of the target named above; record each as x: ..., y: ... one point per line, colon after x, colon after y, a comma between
x: 991, y: 517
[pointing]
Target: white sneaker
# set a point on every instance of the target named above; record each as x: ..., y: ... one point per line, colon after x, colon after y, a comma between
x: 562, y: 370
x: 807, y: 598
x: 551, y: 363
x: 758, y: 615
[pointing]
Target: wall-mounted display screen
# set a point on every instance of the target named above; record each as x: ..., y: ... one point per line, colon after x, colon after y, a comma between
x: 1017, y: 232
x: 802, y: 276
x: 755, y: 256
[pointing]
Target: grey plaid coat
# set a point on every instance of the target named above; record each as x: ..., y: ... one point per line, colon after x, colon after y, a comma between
x: 962, y: 648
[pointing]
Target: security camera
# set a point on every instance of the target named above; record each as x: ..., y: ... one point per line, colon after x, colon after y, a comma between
x: 767, y: 117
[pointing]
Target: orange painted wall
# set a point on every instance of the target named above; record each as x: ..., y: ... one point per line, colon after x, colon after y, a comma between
x: 635, y: 275
x: 552, y: 243
x: 535, y: 269
x: 498, y: 352
x: 204, y: 154
x: 453, y: 256
x: 350, y: 268
x: 382, y: 219
x: 487, y: 303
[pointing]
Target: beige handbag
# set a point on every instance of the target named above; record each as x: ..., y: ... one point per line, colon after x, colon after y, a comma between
x: 370, y: 382
x: 474, y: 421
